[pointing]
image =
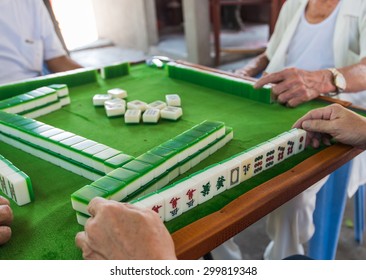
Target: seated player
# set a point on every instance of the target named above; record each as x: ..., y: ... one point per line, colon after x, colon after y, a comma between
x: 318, y: 47
x: 123, y: 231
x: 29, y: 42
x: 6, y: 217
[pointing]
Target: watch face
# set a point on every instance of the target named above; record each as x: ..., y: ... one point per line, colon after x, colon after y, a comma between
x: 340, y: 82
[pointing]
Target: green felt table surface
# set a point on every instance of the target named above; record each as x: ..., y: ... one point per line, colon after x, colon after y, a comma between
x: 45, y: 229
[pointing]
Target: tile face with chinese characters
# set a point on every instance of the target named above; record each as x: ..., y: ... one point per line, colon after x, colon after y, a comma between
x: 173, y: 202
x: 154, y: 202
x: 206, y: 185
x: 189, y: 189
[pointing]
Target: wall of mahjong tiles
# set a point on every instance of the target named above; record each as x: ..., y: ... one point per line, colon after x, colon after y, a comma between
x: 45, y: 229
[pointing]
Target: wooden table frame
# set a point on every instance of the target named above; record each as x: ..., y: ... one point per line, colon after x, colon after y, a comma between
x: 216, y: 20
x: 203, y: 235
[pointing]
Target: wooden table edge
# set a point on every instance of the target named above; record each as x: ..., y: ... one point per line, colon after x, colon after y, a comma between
x: 201, y: 236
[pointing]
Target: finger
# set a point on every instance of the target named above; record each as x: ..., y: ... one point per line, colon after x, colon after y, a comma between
x: 320, y: 126
x: 317, y: 114
x: 6, y: 215
x: 4, y: 201
x: 88, y: 252
x: 267, y: 79
x: 95, y: 204
x: 80, y: 239
x: 5, y: 234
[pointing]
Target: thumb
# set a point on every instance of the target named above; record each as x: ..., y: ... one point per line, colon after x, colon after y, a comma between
x: 321, y: 126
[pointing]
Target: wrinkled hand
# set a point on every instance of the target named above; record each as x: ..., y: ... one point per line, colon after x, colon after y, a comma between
x: 6, y: 217
x: 336, y: 122
x: 125, y: 232
x: 241, y: 72
x: 293, y: 86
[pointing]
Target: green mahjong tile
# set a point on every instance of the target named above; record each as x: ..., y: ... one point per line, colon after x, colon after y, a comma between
x: 163, y: 152
x: 118, y: 160
x: 25, y: 98
x: 186, y: 139
x: 151, y: 159
x: 40, y: 129
x: 23, y: 122
x: 109, y: 184
x: 87, y: 193
x: 125, y: 175
x: 138, y: 166
x: 175, y: 145
x: 32, y: 125
x: 58, y: 86
x: 195, y: 133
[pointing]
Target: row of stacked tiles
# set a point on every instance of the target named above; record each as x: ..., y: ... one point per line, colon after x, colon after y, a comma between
x: 62, y: 143
x: 14, y: 183
x: 163, y: 163
x: 37, y: 102
x: 198, y: 188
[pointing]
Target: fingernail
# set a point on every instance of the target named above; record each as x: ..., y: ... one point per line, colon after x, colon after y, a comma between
x: 305, y: 125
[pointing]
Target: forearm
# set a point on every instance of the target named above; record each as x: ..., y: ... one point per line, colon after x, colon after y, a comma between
x: 61, y: 64
x: 255, y: 66
x: 355, y: 76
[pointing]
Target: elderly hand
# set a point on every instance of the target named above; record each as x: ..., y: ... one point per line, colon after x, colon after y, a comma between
x: 293, y: 86
x: 6, y: 217
x: 124, y: 231
x: 336, y: 122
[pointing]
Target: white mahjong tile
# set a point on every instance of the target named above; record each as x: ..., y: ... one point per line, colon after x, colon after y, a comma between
x: 18, y: 186
x: 220, y: 179
x: 281, y: 144
x: 189, y: 189
x: 132, y: 116
x: 157, y: 105
x: 81, y: 219
x: 95, y: 149
x: 233, y: 167
x: 174, y: 173
x: 270, y: 154
x: 151, y: 115
x: 173, y: 202
x: 173, y: 100
x: 115, y: 107
x: 185, y: 166
x: 99, y: 99
x: 117, y: 93
x: 246, y: 165
x: 171, y: 113
x: 300, y: 139
x: 290, y: 143
x: 259, y: 160
x: 205, y: 184
x: 65, y: 101
x: 137, y: 105
x: 154, y: 202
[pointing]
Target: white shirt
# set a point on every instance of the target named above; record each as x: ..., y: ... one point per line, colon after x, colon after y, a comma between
x: 349, y: 41
x: 28, y: 39
x: 311, y: 45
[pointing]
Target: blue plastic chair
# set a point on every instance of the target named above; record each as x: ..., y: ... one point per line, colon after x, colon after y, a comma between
x: 328, y: 215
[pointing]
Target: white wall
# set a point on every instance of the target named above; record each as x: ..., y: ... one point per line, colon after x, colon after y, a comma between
x: 128, y: 23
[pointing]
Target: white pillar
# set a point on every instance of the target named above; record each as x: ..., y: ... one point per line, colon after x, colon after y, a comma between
x: 197, y: 31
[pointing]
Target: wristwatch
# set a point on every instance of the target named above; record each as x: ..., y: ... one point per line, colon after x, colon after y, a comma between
x: 339, y: 81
